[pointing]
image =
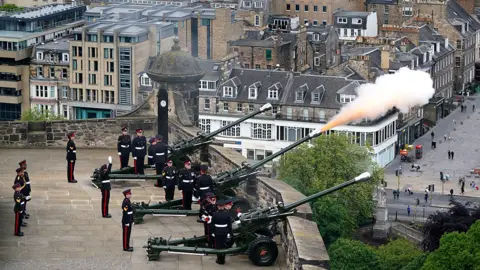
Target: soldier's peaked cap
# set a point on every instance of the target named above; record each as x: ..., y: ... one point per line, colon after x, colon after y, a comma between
x: 203, y: 167
x: 224, y: 202
x: 151, y: 140
x: 124, y: 128
x: 127, y: 191
x: 70, y: 134
x: 209, y: 195
x: 22, y: 162
x: 17, y: 185
x: 159, y: 137
x: 169, y: 161
x: 187, y: 162
x: 139, y: 130
x: 104, y: 167
x: 19, y: 170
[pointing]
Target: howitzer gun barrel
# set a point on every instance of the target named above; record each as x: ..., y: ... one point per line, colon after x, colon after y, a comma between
x: 132, y: 176
x: 361, y: 178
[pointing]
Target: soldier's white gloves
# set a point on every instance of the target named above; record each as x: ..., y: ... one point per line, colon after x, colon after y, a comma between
x: 229, y: 236
x: 109, y: 159
x: 165, y: 187
x: 209, y: 220
x: 133, y: 223
x: 135, y: 158
x: 119, y: 153
x: 128, y: 225
x: 239, y: 214
x: 28, y: 198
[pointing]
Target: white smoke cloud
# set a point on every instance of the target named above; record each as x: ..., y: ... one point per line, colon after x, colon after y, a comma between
x: 404, y: 89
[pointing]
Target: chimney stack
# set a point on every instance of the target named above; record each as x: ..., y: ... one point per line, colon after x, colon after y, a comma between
x: 385, y: 58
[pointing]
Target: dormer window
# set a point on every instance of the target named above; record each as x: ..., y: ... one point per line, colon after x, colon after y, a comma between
x: 356, y: 21
x: 299, y: 96
x: 227, y: 91
x: 146, y: 80
x: 344, y: 99
x: 316, y: 37
x: 316, y: 97
x: 39, y: 55
x: 341, y: 20
x: 258, y: 4
x: 247, y: 4
x: 252, y: 92
x: 274, y: 90
x: 424, y: 57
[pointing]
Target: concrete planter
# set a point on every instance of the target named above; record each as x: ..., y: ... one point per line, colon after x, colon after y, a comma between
x: 36, y: 126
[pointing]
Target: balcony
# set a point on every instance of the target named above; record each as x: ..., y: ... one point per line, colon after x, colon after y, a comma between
x: 10, y: 99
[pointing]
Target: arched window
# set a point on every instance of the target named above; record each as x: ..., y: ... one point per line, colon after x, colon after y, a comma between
x: 257, y: 20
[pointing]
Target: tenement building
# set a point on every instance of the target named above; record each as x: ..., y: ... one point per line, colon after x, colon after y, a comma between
x: 19, y: 33
x: 301, y: 103
x: 352, y: 24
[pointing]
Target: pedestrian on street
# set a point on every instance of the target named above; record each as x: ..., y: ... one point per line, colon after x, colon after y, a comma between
x: 433, y: 135
x: 441, y: 176
x: 473, y: 108
x: 462, y: 190
x: 451, y: 193
x: 453, y: 154
x: 445, y: 137
x: 449, y: 154
x: 408, y: 210
x: 447, y: 176
x: 454, y: 122
x: 426, y: 197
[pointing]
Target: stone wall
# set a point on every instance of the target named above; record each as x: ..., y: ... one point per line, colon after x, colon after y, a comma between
x: 300, y: 236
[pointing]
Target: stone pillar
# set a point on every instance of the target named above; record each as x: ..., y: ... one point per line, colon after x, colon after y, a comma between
x: 381, y: 229
x: 162, y: 122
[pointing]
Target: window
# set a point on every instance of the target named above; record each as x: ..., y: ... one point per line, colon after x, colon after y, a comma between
x: 261, y: 131
x: 407, y: 11
x: 341, y: 20
x: 315, y: 8
x: 274, y: 109
x: 386, y: 9
x: 39, y: 55
x: 297, y: 7
x: 257, y: 66
x: 385, y: 21
x: 74, y: 64
x: 206, y: 104
x: 357, y: 21
x: 252, y: 92
x: 288, y: 7
x: 107, y: 80
x: 316, y: 97
x: 52, y: 91
x: 251, y: 108
x: 247, y: 4
x: 316, y: 61
x: 305, y: 21
x: 345, y: 32
x: 258, y: 4
x: 212, y: 85
x: 65, y: 57
x: 205, y: 22
x: 239, y: 107
x: 64, y: 73
x: 268, y: 54
x: 65, y: 111
x: 231, y: 132
x: 459, y: 44
x: 324, y: 9
x: 52, y: 72
x: 292, y: 134
x: 306, y: 115
x: 457, y: 61
x: 257, y: 20
x: 246, y: 66
x: 64, y: 92
x: 227, y: 91
x: 39, y: 71
x: 225, y: 106
x: 306, y: 8
x: 204, y: 125
x: 315, y: 22
x: 299, y: 95
x: 92, y: 79
x: 272, y: 94
x: 146, y: 81
x: 346, y: 98
x: 324, y: 22
x: 269, y: 66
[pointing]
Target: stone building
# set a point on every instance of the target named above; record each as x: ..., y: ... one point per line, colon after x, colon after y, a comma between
x: 253, y: 11
x: 50, y: 76
x: 352, y: 24
x: 325, y: 45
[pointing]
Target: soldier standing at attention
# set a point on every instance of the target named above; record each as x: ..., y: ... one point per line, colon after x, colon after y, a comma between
x: 20, y: 181
x: 27, y: 190
x: 161, y: 155
x: 221, y: 227
x: 186, y: 184
x: 139, y: 150
x: 205, y: 182
x: 169, y: 174
x: 208, y: 206
x: 19, y: 202
x: 71, y: 157
x: 124, y: 142
x: 105, y: 187
x: 127, y: 220
x: 151, y: 152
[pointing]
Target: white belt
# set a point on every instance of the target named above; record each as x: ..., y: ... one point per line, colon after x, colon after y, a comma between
x: 160, y: 154
x: 150, y: 156
x: 129, y: 213
x: 187, y: 181
x: 125, y: 146
x: 106, y: 181
x: 28, y: 183
x: 221, y: 225
x: 74, y: 151
x: 22, y: 203
x: 204, y: 188
x: 169, y: 177
x: 139, y: 148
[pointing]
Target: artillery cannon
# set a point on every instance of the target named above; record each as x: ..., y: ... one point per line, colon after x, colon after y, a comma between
x: 179, y: 152
x: 248, y: 232
x: 224, y: 184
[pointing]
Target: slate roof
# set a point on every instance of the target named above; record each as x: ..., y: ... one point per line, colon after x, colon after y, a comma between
x: 267, y: 43
x: 289, y: 83
x: 382, y: 2
x: 458, y: 16
x: 211, y: 68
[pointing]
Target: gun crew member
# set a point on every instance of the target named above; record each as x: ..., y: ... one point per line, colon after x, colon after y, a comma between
x: 124, y: 147
x: 105, y: 187
x: 71, y: 157
x: 151, y: 152
x: 186, y: 185
x: 20, y: 180
x: 208, y: 206
x: 127, y: 220
x: 205, y: 182
x: 221, y: 227
x: 139, y: 150
x: 161, y: 155
x: 28, y: 189
x: 18, y: 208
x: 169, y: 174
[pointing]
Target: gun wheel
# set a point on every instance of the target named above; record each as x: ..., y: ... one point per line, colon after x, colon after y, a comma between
x: 262, y: 251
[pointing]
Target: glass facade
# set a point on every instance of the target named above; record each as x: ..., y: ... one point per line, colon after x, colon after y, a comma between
x: 10, y: 112
x: 42, y: 23
x: 87, y: 113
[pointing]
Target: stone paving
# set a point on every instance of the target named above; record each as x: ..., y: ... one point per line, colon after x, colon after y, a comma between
x: 465, y: 142
x: 66, y: 230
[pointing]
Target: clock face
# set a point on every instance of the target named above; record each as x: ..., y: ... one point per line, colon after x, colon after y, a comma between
x: 163, y: 103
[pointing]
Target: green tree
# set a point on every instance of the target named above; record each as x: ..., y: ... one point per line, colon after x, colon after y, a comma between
x: 416, y: 263
x: 397, y: 254
x: 326, y: 162
x: 346, y: 254
x: 10, y: 8
x: 35, y: 115
x: 454, y: 253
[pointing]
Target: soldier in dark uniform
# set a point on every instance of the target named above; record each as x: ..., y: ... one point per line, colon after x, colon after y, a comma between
x: 139, y: 150
x: 18, y: 208
x: 151, y: 152
x: 221, y: 227
x: 205, y: 182
x: 124, y: 147
x: 127, y: 220
x: 161, y: 155
x: 20, y: 180
x: 170, y: 181
x: 208, y: 206
x: 71, y: 157
x: 186, y: 183
x: 27, y: 190
x: 105, y: 187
